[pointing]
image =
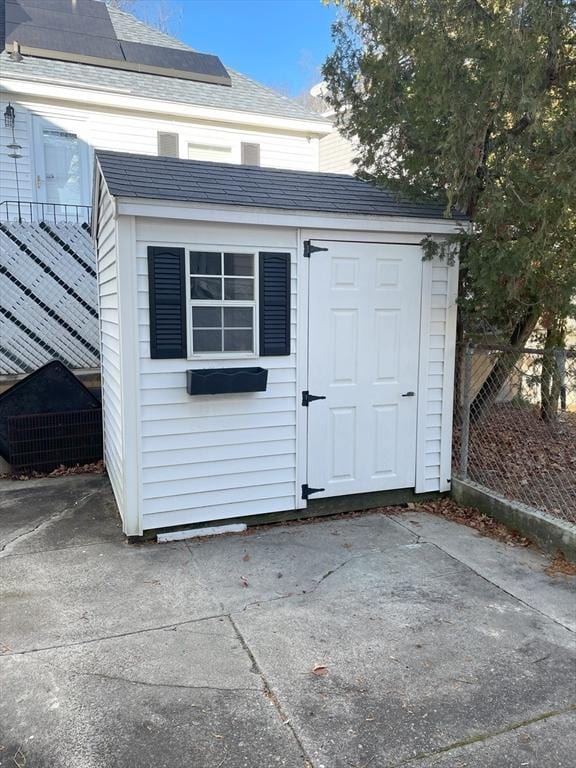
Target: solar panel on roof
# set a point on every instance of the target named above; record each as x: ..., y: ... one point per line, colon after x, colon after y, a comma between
x: 82, y: 31
x: 162, y: 58
x: 71, y: 46
x: 81, y: 7
x: 67, y: 20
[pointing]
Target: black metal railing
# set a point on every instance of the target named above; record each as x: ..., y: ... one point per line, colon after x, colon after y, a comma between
x: 57, y: 213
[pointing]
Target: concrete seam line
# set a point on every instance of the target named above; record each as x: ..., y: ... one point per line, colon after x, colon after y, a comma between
x: 493, y: 583
x: 269, y: 693
x: 119, y: 679
x: 51, y: 549
x: 113, y: 637
x: 485, y: 736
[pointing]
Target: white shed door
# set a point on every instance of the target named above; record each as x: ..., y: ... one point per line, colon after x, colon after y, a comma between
x: 364, y: 331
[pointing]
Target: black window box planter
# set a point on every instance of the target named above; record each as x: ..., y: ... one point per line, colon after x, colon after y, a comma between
x: 220, y: 381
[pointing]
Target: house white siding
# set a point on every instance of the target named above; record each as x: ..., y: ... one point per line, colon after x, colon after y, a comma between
x: 23, y: 137
x: 336, y: 154
x: 123, y: 131
x: 108, y: 296
x: 207, y: 458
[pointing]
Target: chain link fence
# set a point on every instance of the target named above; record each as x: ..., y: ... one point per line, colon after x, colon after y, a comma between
x: 515, y: 425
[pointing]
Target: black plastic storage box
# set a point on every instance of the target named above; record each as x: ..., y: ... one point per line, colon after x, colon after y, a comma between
x: 220, y: 381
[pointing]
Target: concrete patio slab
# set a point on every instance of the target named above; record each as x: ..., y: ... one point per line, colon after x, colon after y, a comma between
x: 53, y: 513
x: 547, y: 743
x: 517, y: 570
x: 432, y: 645
x: 410, y: 667
x: 181, y: 696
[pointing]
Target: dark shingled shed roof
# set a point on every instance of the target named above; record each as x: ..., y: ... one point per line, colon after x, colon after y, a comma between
x: 166, y: 178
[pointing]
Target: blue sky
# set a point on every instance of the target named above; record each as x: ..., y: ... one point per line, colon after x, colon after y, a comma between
x: 281, y: 43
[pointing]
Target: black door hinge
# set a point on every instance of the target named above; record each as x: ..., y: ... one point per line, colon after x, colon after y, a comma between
x: 307, y: 491
x: 309, y: 248
x: 307, y: 398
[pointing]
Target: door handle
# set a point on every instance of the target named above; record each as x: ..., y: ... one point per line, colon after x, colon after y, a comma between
x: 408, y: 394
x: 38, y: 182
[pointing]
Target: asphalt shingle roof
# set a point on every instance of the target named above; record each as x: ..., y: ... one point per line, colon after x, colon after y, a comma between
x: 166, y: 178
x: 244, y: 95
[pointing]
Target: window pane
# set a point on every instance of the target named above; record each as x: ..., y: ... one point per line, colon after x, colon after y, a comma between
x: 206, y: 317
x: 205, y: 287
x: 238, y: 341
x: 238, y: 317
x: 238, y: 264
x: 239, y: 289
x: 207, y: 341
x: 205, y: 263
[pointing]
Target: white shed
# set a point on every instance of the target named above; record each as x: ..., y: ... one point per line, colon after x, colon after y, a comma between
x: 269, y: 338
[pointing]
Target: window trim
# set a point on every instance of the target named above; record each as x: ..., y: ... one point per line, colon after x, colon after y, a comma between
x: 254, y: 305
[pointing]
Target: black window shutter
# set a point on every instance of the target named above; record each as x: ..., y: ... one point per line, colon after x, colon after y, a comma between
x: 274, y: 303
x: 167, y: 296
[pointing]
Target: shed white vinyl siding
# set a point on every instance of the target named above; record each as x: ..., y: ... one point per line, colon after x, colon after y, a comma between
x: 138, y: 133
x: 437, y: 372
x: 110, y: 345
x: 214, y: 457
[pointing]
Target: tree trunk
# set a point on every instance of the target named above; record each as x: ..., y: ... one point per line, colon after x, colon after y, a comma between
x: 492, y: 385
x: 550, y: 378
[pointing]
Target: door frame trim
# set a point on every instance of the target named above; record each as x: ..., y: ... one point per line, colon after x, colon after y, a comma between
x: 302, y: 351
x: 302, y: 324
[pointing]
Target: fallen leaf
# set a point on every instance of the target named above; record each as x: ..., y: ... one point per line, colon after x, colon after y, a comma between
x: 319, y: 670
x: 246, y: 557
x: 243, y: 581
x: 561, y: 566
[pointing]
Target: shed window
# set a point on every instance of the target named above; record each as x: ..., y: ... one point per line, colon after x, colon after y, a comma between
x: 223, y: 302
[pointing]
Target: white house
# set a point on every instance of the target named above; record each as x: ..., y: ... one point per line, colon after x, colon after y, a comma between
x: 269, y: 337
x: 336, y: 153
x: 80, y: 76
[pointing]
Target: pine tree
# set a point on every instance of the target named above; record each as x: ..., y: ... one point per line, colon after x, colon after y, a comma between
x: 474, y: 100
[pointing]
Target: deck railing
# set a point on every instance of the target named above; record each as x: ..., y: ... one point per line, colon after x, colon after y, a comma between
x: 56, y: 213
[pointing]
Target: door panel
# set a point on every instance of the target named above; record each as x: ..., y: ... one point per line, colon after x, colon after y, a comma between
x: 364, y: 321
x: 62, y: 165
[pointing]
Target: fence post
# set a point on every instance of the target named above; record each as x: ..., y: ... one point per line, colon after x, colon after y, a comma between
x: 560, y: 360
x: 466, y: 403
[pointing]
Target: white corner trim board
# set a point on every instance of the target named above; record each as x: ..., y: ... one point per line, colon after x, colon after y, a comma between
x: 194, y: 533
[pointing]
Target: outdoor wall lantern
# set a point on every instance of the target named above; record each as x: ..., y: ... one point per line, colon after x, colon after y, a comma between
x: 14, y: 147
x: 9, y: 116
